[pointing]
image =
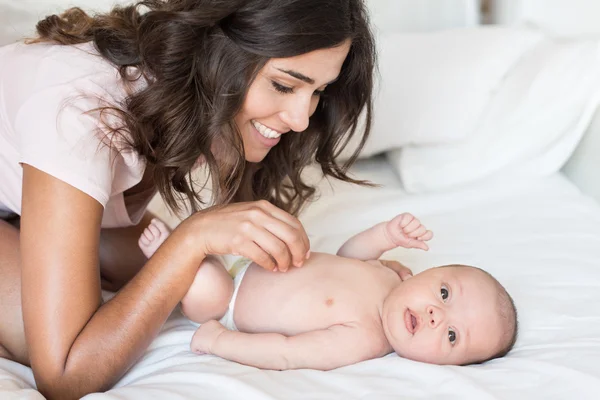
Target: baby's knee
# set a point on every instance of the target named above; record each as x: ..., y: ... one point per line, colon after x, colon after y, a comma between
x: 210, y: 293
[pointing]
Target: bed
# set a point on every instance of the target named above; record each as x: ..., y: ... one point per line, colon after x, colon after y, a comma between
x: 540, y: 237
x: 530, y: 215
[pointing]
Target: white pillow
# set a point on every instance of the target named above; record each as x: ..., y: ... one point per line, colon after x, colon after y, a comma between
x: 531, y: 126
x: 583, y: 166
x: 433, y: 86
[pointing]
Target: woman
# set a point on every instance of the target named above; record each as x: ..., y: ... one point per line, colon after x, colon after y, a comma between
x: 101, y: 112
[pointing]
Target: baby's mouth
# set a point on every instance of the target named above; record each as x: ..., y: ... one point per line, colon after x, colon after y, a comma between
x: 411, y: 322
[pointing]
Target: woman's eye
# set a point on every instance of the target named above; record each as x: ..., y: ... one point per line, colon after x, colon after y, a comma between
x: 282, y: 89
x: 451, y: 335
x: 287, y: 90
x: 444, y: 292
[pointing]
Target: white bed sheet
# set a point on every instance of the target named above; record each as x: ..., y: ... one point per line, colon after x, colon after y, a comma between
x: 541, y: 238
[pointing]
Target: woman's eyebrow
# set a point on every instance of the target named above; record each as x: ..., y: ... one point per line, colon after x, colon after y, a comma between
x: 298, y: 75
x: 303, y: 77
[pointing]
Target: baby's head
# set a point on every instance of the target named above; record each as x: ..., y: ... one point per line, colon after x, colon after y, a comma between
x: 455, y: 314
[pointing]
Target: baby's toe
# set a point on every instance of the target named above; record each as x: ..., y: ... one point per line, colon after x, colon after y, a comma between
x: 143, y: 241
x: 160, y: 226
x: 154, y: 230
x: 149, y: 234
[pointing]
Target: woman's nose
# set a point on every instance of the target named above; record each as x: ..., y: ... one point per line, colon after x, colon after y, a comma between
x: 435, y: 316
x: 297, y: 113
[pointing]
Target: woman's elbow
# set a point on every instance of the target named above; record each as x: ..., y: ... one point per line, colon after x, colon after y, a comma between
x: 62, y: 386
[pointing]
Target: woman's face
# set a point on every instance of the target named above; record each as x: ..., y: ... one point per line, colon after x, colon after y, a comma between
x: 284, y: 95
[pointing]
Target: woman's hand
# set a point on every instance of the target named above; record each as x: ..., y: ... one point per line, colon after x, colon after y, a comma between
x: 258, y: 230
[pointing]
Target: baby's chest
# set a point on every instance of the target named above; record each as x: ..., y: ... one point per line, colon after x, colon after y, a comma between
x: 295, y: 306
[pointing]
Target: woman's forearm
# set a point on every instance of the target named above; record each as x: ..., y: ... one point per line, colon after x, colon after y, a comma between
x: 120, y: 330
x: 120, y: 255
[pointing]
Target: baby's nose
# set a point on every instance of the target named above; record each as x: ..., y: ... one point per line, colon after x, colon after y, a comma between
x: 435, y: 316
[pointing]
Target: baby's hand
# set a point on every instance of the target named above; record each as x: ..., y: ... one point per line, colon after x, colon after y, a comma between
x: 406, y: 231
x: 206, y: 336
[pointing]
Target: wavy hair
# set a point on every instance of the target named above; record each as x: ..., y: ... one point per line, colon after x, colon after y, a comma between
x: 199, y: 58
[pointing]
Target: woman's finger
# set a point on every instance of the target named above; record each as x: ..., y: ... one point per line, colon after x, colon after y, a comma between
x: 257, y: 254
x: 287, y: 218
x: 270, y: 243
x: 290, y: 237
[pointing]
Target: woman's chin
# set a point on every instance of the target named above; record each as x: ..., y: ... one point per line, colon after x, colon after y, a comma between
x: 256, y: 156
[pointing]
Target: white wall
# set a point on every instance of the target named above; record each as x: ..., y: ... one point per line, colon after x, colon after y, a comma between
x: 18, y: 17
x: 423, y: 15
x: 557, y: 17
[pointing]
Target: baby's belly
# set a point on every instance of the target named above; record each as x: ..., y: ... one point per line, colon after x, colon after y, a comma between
x: 300, y: 300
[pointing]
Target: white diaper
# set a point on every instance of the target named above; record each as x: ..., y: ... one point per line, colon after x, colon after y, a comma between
x: 237, y: 268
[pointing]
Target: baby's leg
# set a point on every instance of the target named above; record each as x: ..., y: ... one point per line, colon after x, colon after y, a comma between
x: 153, y: 236
x: 208, y: 297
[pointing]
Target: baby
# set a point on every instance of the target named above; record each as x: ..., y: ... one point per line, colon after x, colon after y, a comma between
x: 340, y: 309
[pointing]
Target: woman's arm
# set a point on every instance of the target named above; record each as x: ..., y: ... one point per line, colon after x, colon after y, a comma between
x: 76, y: 345
x: 120, y: 254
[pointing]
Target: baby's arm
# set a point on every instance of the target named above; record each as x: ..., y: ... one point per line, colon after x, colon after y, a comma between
x: 403, y: 231
x: 325, y: 349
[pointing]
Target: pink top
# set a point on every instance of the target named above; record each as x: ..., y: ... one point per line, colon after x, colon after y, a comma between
x: 44, y: 92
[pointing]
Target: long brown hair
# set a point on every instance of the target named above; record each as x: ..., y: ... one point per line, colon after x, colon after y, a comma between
x: 199, y: 58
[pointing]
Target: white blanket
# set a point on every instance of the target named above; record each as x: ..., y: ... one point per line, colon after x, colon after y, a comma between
x: 540, y: 237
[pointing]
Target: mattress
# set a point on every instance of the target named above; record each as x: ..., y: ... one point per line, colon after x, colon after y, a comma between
x: 540, y: 237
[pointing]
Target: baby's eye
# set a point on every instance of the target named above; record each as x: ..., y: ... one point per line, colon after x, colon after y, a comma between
x: 444, y: 292
x: 451, y: 335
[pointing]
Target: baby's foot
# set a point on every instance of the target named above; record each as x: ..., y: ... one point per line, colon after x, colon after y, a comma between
x: 153, y: 236
x: 405, y: 230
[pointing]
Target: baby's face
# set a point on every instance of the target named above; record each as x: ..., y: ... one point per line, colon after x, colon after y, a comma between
x: 444, y: 315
